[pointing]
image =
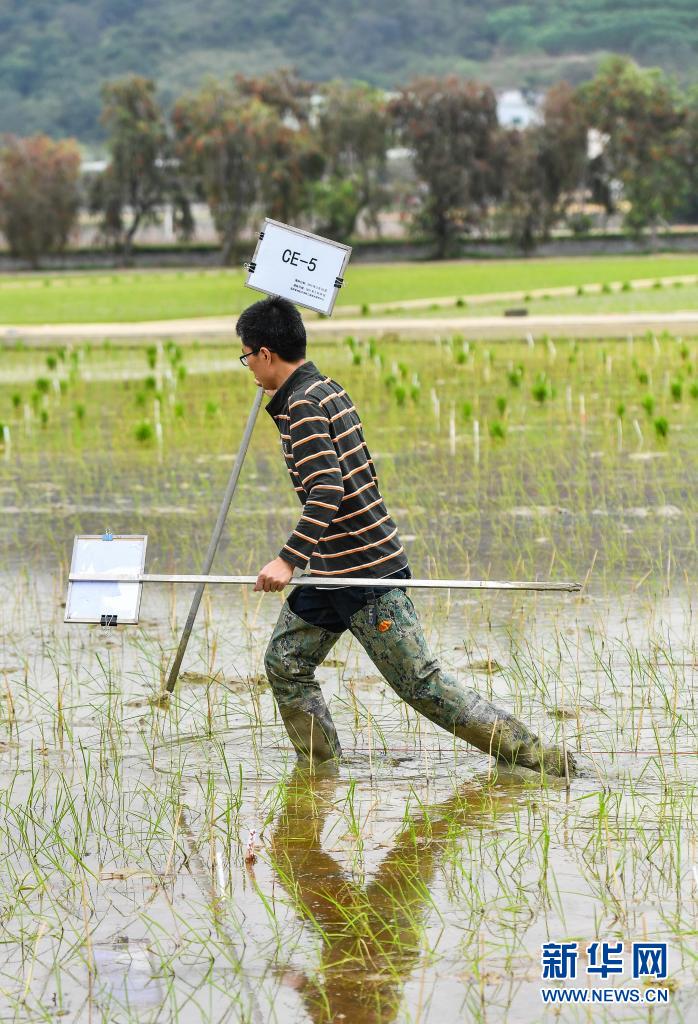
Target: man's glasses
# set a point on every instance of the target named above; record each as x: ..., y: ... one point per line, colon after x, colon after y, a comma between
x: 243, y: 357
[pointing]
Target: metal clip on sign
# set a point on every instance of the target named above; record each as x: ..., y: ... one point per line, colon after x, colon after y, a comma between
x: 251, y: 266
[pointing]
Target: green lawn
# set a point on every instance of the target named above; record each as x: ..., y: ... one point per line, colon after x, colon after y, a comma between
x: 668, y: 299
x: 160, y: 295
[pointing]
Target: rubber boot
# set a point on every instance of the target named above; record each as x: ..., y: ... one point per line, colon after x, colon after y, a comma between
x: 396, y: 645
x: 295, y: 650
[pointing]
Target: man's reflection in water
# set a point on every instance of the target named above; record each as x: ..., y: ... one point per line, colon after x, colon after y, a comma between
x: 370, y: 935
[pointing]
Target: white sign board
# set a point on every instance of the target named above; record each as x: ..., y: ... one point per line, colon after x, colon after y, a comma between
x: 124, y: 557
x: 298, y: 265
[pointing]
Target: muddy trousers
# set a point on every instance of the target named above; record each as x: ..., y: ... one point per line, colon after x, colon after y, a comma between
x: 400, y: 653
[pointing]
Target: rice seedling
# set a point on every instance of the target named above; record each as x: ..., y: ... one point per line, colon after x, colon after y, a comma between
x: 144, y: 432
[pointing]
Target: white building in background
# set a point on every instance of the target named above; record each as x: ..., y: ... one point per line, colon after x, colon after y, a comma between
x: 93, y: 166
x: 515, y: 111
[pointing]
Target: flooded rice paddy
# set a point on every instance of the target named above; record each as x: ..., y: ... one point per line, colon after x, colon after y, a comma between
x: 176, y: 865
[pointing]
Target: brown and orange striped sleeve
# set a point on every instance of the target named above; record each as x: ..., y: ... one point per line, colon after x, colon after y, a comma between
x: 315, y: 469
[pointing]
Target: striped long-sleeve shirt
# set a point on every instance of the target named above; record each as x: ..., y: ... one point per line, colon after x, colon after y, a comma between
x: 345, y: 528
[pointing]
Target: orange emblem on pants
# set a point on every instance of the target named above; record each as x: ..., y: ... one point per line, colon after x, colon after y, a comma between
x: 384, y: 625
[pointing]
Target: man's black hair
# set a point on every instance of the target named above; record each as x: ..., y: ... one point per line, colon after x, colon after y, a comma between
x: 276, y: 324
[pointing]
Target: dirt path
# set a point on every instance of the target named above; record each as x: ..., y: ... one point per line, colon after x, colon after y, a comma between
x: 607, y: 325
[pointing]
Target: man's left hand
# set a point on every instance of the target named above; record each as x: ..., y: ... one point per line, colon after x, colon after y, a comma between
x: 274, y: 576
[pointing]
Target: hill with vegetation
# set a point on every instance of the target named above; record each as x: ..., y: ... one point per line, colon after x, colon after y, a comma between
x: 56, y: 53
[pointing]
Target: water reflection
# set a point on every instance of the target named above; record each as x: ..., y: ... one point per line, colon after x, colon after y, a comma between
x: 370, y: 935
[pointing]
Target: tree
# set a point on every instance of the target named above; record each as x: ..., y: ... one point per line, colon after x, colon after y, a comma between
x: 215, y: 141
x: 688, y: 208
x: 242, y: 153
x: 451, y: 127
x: 282, y: 90
x: 354, y: 129
x: 289, y: 161
x: 39, y: 194
x: 641, y: 119
x: 142, y: 175
x: 545, y: 164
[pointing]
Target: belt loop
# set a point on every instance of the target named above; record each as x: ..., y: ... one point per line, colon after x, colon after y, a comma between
x: 373, y: 608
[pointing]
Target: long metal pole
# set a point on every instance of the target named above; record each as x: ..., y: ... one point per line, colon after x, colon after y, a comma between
x: 213, y: 545
x: 334, y: 581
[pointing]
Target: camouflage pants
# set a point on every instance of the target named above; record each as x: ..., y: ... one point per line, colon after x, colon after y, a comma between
x: 400, y: 652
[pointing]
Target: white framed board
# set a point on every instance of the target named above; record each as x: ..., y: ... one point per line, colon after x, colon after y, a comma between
x: 307, y: 269
x: 124, y: 556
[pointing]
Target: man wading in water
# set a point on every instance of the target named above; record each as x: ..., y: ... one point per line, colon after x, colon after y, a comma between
x: 345, y: 530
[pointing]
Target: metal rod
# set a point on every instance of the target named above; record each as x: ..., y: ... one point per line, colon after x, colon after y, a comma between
x: 213, y: 544
x: 319, y: 581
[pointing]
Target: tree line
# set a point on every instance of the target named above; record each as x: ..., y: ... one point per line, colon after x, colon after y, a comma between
x: 317, y: 156
x: 55, y: 53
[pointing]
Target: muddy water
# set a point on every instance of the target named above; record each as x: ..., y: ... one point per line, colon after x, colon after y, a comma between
x: 412, y: 883
x: 415, y: 883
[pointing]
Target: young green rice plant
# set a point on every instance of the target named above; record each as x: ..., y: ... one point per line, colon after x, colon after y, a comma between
x: 676, y: 388
x: 541, y: 389
x: 648, y: 403
x: 143, y: 432
x: 661, y: 426
x: 515, y: 376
